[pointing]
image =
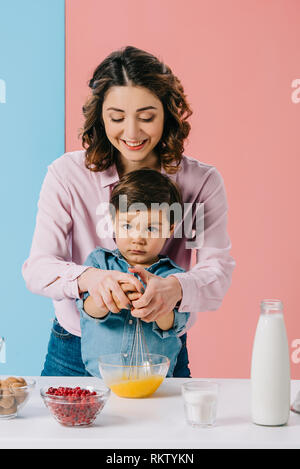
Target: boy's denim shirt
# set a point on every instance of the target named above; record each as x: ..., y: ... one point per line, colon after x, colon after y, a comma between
x: 115, y: 332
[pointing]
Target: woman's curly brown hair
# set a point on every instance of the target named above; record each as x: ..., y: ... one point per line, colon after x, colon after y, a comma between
x: 135, y: 67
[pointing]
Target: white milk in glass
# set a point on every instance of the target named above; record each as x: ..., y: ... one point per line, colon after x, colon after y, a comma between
x: 201, y: 407
x: 270, y: 368
x: 200, y: 402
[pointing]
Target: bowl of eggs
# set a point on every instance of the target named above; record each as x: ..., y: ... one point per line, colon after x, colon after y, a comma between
x: 14, y: 393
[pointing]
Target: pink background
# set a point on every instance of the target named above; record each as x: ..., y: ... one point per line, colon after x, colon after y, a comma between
x: 237, y: 61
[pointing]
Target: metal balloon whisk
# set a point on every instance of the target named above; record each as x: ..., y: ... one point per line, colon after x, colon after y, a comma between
x: 140, y: 361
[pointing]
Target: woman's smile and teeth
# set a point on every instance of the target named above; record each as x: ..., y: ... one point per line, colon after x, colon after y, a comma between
x: 137, y: 145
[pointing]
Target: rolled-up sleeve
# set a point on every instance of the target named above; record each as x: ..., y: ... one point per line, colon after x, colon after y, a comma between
x: 80, y: 302
x: 49, y: 270
x: 180, y: 321
x: 205, y: 285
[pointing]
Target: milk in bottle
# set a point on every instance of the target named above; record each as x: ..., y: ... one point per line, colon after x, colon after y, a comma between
x: 270, y: 367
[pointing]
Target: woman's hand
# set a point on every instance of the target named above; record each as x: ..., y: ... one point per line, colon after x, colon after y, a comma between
x: 105, y: 285
x: 160, y: 297
x: 92, y: 310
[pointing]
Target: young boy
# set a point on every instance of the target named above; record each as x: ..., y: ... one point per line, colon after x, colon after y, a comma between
x: 140, y: 209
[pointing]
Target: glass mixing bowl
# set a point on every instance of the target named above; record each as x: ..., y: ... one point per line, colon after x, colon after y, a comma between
x: 78, y: 409
x: 133, y: 377
x: 14, y: 395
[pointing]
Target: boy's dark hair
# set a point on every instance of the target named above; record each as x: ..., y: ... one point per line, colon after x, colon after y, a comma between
x: 146, y: 186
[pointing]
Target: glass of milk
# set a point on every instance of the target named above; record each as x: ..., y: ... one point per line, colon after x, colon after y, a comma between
x: 200, y: 402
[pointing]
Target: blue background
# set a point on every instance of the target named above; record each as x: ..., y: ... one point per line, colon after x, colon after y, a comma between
x: 32, y: 129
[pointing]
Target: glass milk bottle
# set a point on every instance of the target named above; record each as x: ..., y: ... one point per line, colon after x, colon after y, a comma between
x: 270, y: 368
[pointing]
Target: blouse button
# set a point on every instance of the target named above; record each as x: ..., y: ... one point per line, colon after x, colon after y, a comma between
x: 125, y: 355
x: 130, y: 321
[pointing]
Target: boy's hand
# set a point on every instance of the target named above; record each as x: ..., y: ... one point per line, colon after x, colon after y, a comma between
x: 131, y: 292
x: 160, y: 297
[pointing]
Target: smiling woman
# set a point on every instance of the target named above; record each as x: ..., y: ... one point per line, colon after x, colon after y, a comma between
x: 134, y: 130
x: 136, y: 117
x: 137, y: 105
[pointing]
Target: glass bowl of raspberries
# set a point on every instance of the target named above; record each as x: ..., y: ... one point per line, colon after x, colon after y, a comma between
x: 75, y: 406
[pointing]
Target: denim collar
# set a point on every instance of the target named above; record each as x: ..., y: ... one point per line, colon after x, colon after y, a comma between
x: 162, y: 259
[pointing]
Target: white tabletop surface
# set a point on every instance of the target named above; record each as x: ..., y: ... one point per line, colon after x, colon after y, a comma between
x: 154, y: 422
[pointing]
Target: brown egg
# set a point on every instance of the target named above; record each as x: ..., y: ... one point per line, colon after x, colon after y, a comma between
x: 22, y: 381
x: 17, y: 385
x: 9, y: 380
x: 7, y: 401
x: 12, y: 393
x: 12, y: 380
x: 19, y: 392
x: 9, y: 410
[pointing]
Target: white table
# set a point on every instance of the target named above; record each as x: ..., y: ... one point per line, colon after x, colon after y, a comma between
x: 155, y: 422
